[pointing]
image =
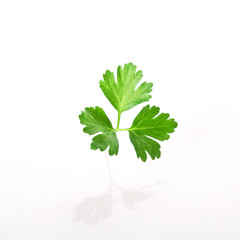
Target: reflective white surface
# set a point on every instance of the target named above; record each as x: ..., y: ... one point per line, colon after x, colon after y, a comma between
x: 52, y: 55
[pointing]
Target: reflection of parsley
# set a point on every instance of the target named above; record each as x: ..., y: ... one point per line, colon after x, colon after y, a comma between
x: 124, y: 95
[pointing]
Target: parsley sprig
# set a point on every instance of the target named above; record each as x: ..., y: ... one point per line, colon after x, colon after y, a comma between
x: 124, y: 95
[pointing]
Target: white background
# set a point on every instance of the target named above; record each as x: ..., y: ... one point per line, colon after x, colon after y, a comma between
x: 52, y: 56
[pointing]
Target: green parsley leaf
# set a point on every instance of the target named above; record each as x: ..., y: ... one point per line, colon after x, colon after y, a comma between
x: 124, y: 95
x: 148, y: 124
x: 96, y: 120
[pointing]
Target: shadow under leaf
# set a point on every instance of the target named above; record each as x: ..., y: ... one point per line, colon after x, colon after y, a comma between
x: 94, y: 209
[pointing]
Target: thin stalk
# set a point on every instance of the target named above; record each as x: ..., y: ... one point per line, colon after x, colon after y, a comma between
x: 118, y: 122
x: 108, y: 167
x: 123, y: 129
x: 109, y: 173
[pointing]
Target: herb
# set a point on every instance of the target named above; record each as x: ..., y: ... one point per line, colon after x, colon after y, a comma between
x: 124, y: 95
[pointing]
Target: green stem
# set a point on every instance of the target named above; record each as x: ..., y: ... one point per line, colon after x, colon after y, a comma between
x: 118, y: 122
x: 123, y: 129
